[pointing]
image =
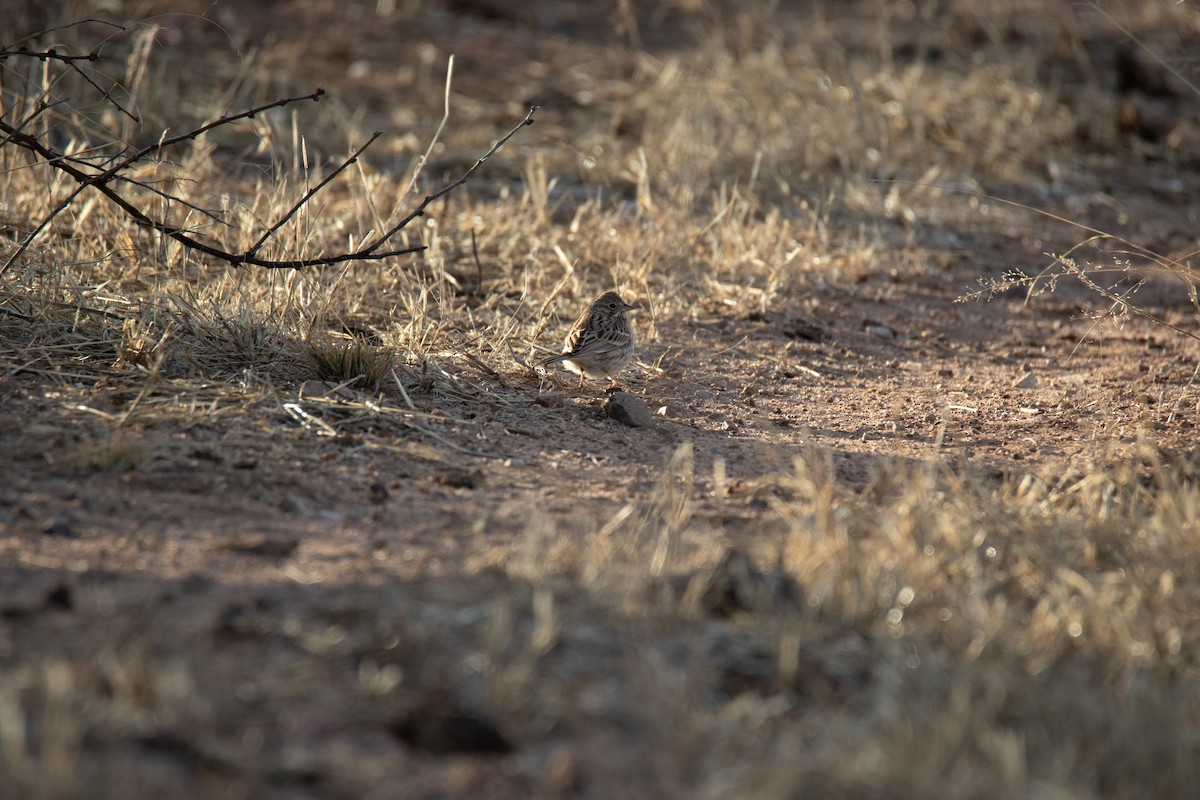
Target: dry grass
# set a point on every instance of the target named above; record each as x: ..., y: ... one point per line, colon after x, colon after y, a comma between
x: 932, y: 631
x: 355, y: 362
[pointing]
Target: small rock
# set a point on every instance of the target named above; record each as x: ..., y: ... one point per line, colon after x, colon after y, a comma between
x: 805, y: 331
x: 451, y: 732
x: 882, y: 331
x: 266, y: 546
x: 550, y: 400
x: 59, y: 598
x: 377, y: 492
x: 461, y: 478
x: 1026, y: 381
x: 631, y: 410
x: 311, y: 389
x: 43, y: 592
x: 60, y: 527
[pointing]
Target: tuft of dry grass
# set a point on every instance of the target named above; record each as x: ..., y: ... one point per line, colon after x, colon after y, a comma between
x: 353, y: 361
x: 115, y: 452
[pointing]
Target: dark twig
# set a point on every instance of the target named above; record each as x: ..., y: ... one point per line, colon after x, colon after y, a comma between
x: 163, y: 144
x: 420, y: 210
x: 5, y: 50
x: 83, y: 181
x: 178, y: 234
x: 308, y: 195
x: 41, y: 108
x: 82, y: 162
x: 104, y: 94
x: 102, y: 179
x: 51, y: 54
x: 70, y: 60
x: 170, y: 198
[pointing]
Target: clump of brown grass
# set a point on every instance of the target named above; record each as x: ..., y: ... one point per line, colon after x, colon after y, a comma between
x: 351, y: 361
x: 112, y: 452
x: 957, y: 639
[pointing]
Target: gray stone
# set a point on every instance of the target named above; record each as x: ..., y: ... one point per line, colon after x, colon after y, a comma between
x: 631, y: 410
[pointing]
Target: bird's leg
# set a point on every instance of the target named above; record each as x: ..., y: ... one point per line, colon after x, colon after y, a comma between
x: 581, y: 379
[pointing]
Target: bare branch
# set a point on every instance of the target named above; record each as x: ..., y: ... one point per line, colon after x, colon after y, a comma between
x: 212, y: 215
x: 420, y: 210
x: 104, y: 95
x: 50, y: 54
x: 101, y: 180
x: 308, y: 195
x: 5, y: 50
x: 70, y: 60
x: 41, y: 109
x: 83, y: 180
x: 163, y: 144
x: 181, y: 235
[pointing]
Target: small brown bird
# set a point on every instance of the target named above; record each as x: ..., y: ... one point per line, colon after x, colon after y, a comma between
x: 601, y: 342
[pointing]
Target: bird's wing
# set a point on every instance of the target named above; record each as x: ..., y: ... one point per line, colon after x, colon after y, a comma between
x: 598, y: 345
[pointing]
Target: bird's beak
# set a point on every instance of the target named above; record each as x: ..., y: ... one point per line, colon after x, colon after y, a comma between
x: 629, y: 307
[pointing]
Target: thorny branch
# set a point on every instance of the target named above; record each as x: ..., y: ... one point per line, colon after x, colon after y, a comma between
x: 101, y: 182
x: 420, y: 210
x: 308, y: 195
x: 51, y: 53
x: 69, y: 60
x: 102, y: 174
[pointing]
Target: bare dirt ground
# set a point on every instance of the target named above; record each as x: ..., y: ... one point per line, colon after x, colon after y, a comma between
x: 217, y: 583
